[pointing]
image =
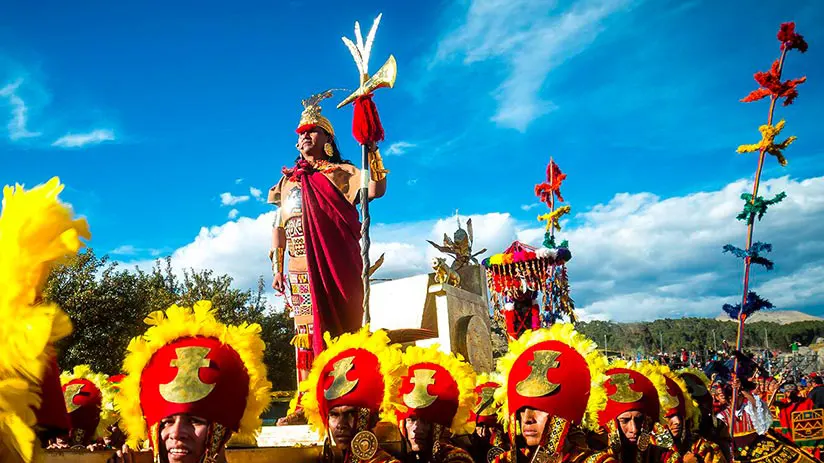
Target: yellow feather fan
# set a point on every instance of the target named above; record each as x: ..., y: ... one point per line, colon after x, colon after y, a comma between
x: 37, y: 232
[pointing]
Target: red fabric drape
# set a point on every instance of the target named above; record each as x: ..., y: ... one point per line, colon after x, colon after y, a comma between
x: 331, y: 226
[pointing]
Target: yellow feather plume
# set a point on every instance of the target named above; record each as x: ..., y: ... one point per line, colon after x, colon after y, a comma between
x: 563, y: 332
x: 698, y: 374
x: 178, y: 322
x: 37, y: 232
x: 693, y: 415
x: 391, y: 366
x: 461, y: 371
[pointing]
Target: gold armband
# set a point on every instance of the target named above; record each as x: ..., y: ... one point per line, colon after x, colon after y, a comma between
x: 276, y: 256
x: 376, y: 169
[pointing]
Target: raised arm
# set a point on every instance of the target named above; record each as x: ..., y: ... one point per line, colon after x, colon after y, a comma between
x: 377, y: 182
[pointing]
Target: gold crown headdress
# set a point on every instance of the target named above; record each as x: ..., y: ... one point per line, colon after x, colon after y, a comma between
x: 311, y: 115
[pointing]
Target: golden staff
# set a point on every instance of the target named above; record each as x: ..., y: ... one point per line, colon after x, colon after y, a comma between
x: 365, y: 110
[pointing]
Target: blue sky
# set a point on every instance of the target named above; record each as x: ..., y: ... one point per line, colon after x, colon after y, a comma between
x: 166, y: 120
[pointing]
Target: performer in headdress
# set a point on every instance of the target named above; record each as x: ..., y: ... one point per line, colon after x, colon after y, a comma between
x: 438, y: 391
x: 753, y: 414
x: 710, y: 427
x: 192, y: 382
x: 350, y: 388
x: 633, y: 413
x: 85, y: 393
x: 318, y: 221
x: 37, y: 232
x: 683, y: 420
x: 488, y: 431
x: 552, y: 385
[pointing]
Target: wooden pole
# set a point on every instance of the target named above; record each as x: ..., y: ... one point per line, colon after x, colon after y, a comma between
x: 365, y: 241
x: 739, y: 343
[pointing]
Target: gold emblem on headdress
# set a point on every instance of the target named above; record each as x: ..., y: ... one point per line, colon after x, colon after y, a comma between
x: 187, y: 387
x: 69, y: 394
x: 624, y: 394
x: 484, y: 407
x: 340, y: 385
x: 420, y: 397
x: 537, y: 384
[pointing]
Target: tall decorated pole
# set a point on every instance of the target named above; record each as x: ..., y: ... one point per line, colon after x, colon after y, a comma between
x: 756, y: 206
x: 368, y: 131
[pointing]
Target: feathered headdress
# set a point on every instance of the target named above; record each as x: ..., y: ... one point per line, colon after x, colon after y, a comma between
x: 577, y: 370
x: 437, y: 387
x: 230, y: 388
x: 635, y: 386
x: 681, y: 402
x: 372, y: 370
x: 89, y: 399
x: 37, y: 232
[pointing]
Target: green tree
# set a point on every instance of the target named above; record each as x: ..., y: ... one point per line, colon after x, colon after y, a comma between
x: 107, y: 305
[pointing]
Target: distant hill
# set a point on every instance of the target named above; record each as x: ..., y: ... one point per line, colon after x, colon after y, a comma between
x: 782, y: 317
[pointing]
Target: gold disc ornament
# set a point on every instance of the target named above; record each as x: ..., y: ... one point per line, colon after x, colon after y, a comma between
x: 364, y: 445
x: 643, y: 441
x: 493, y: 453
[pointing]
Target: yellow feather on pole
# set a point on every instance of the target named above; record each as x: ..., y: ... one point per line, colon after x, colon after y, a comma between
x: 37, y: 232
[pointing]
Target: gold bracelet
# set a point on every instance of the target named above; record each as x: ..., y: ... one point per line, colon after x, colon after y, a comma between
x: 376, y: 170
x: 278, y: 263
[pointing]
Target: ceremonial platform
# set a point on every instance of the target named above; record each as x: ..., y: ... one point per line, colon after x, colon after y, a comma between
x: 457, y: 317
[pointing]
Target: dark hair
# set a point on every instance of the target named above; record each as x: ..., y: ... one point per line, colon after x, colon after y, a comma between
x: 336, y: 156
x: 818, y: 380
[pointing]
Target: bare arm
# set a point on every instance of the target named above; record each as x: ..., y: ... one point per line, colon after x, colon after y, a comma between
x: 377, y: 182
x: 277, y: 254
x: 377, y: 189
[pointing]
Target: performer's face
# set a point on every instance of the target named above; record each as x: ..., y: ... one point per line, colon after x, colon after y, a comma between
x: 342, y: 421
x: 311, y: 142
x: 183, y: 438
x: 630, y: 423
x: 533, y: 423
x: 676, y: 425
x: 418, y: 433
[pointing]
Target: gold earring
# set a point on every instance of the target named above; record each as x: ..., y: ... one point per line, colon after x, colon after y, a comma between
x: 328, y: 149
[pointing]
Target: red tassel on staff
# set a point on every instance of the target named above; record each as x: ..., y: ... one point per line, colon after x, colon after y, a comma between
x: 366, y: 124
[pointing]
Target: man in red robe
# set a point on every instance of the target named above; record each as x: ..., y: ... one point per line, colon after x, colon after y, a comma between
x: 318, y: 223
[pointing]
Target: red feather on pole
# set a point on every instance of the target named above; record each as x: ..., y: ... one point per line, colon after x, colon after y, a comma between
x: 366, y: 124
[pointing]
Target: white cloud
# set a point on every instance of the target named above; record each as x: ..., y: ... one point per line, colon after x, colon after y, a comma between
x: 532, y: 39
x: 124, y: 250
x: 399, y: 148
x: 238, y: 181
x: 257, y: 194
x: 529, y: 207
x: 233, y: 214
x: 79, y: 140
x: 636, y: 257
x: 19, y: 113
x: 228, y: 199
